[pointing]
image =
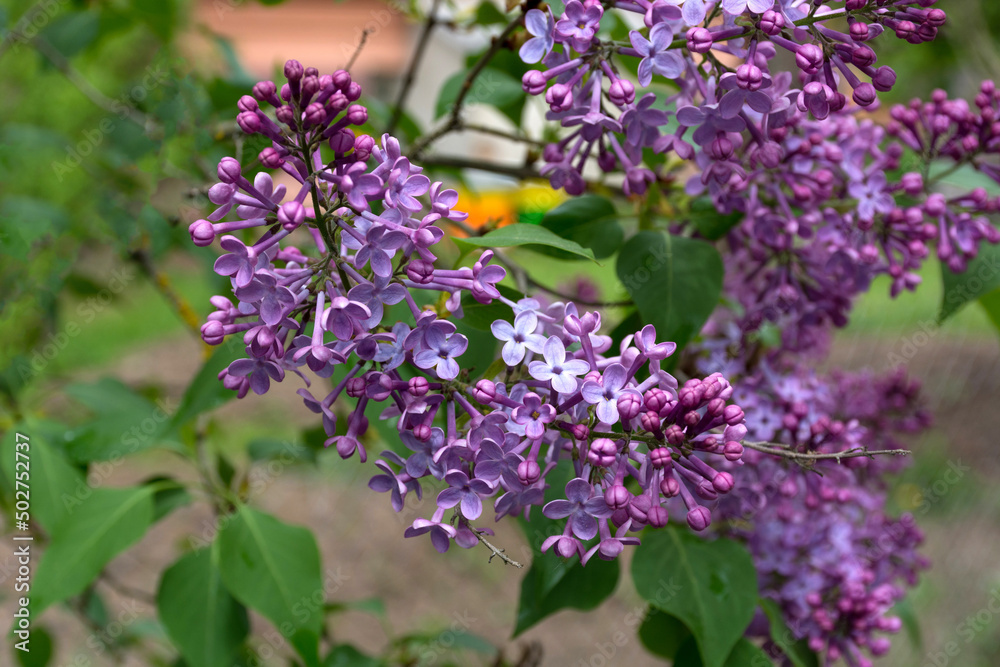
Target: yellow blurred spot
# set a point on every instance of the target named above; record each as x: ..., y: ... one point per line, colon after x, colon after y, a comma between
x: 908, y: 496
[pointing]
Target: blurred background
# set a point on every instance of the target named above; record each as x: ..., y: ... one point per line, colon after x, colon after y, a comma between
x: 112, y: 117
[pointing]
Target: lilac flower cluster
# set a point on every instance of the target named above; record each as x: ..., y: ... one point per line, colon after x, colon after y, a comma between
x: 371, y: 218
x: 825, y: 549
x: 823, y: 220
x: 723, y: 107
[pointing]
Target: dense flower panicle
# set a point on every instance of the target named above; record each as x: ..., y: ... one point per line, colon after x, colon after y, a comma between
x: 722, y: 107
x: 825, y: 549
x: 566, y: 398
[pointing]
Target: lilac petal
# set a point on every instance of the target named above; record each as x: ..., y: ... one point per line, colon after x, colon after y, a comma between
x: 615, y: 377
x: 502, y: 330
x: 472, y: 506
x: 584, y: 526
x: 536, y: 22
x: 559, y: 509
x: 564, y: 383
x: 439, y: 538
x: 533, y: 50
x: 578, y: 490
x: 759, y: 102
x: 448, y: 369
x: 732, y: 103
x: 592, y: 392
x: 512, y: 353
x: 607, y: 412
x: 669, y: 65
x: 450, y: 497
x: 596, y: 507
x: 693, y: 12
x: 381, y: 483
x: 690, y: 116
x: 645, y: 72
x: 760, y: 6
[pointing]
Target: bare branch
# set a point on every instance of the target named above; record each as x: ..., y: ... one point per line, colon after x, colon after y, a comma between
x: 497, y: 553
x: 411, y: 72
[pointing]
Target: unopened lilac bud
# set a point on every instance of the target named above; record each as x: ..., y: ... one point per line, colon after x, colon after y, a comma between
x: 363, y: 146
x: 248, y: 122
x: 355, y: 387
x: 418, y: 386
x: 638, y: 508
x: 733, y: 451
x: 809, y: 58
x: 271, y: 158
x: 699, y: 40
x: 291, y: 214
x: 213, y: 332
x: 622, y: 92
x: 669, y: 486
x: 528, y: 472
x: 341, y: 79
x: 286, y: 115
x: 266, y: 91
x: 533, y: 82
x: 229, y: 170
x: 294, y: 71
x: 422, y: 432
x: 674, y: 434
x: 602, y: 453
x: 863, y: 56
x: 356, y: 114
x: 699, y: 518
x: 580, y: 431
x: 649, y: 421
x: 723, y: 482
x: 607, y: 161
x: 733, y: 414
x: 353, y: 92
x: 865, y: 94
x: 315, y: 114
x: 202, y: 233
x: 749, y: 77
x: 657, y: 516
x: 884, y: 79
x: 771, y: 22
x: 660, y: 458
x: 420, y: 271
x: 485, y: 391
x: 629, y: 405
x: 617, y: 497
x: 342, y: 141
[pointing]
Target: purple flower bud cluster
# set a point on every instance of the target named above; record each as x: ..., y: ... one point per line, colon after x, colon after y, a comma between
x: 724, y: 108
x: 821, y: 220
x: 355, y: 234
x: 825, y: 548
x: 634, y: 438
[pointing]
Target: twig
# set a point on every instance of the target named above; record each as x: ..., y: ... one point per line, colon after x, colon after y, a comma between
x: 454, y: 119
x: 411, y: 72
x: 471, y: 127
x: 497, y: 553
x: 357, y: 51
x: 778, y: 449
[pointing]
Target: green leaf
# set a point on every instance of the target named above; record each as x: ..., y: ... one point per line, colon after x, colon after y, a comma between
x: 49, y: 473
x: 202, y: 619
x: 488, y: 14
x: 981, y: 277
x: 991, y: 304
x: 707, y: 219
x: 124, y: 422
x: 481, y: 316
x: 72, y: 32
x: 168, y: 496
x: 40, y: 645
x: 521, y: 234
x: 160, y: 16
x: 345, y: 655
x: 911, y: 622
x: 93, y: 532
x: 274, y: 568
x: 205, y: 391
x: 662, y: 634
x: 492, y: 86
x: 674, y: 281
x: 710, y: 586
x: 796, y: 650
x: 588, y: 220
x: 744, y: 654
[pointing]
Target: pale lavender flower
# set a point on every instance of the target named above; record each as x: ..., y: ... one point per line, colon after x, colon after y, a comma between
x: 518, y: 338
x: 540, y: 25
x: 556, y: 369
x: 440, y: 351
x: 656, y: 54
x: 465, y: 493
x: 581, y: 507
x: 605, y: 395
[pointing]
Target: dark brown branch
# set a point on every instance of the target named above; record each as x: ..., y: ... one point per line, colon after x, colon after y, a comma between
x: 411, y: 72
x: 454, y: 118
x: 357, y: 51
x: 778, y: 449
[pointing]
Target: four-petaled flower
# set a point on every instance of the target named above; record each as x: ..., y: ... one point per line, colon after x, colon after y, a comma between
x: 465, y: 493
x: 605, y: 394
x: 580, y: 507
x: 556, y: 369
x: 440, y: 350
x: 540, y: 25
x: 657, y: 55
x: 533, y: 415
x: 518, y: 338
